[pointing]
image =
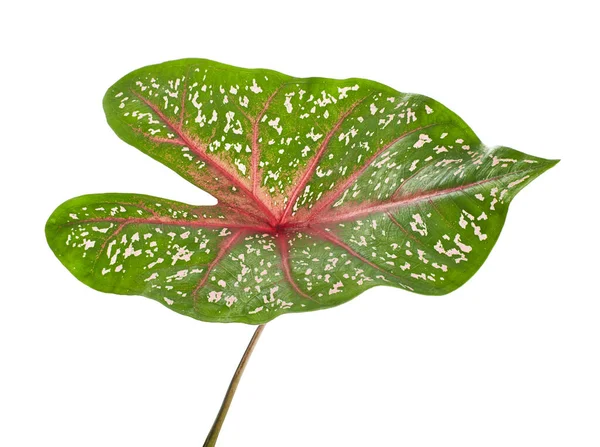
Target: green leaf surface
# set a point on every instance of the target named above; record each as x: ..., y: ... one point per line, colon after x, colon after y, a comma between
x: 326, y: 188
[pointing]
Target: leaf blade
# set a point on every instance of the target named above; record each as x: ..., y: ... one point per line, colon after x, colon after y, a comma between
x: 326, y: 188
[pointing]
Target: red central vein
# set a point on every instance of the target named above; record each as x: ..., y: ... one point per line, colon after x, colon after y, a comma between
x: 200, y: 152
x: 222, y: 252
x: 176, y: 222
x: 255, y: 149
x: 393, y: 204
x: 335, y: 240
x: 312, y: 166
x: 356, y: 174
x: 284, y: 251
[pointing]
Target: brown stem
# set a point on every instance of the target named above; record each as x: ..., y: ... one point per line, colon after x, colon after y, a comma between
x: 211, y: 439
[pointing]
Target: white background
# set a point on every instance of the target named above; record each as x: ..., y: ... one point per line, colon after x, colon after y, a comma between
x: 510, y: 359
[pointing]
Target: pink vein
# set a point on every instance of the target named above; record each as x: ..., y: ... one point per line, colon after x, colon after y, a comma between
x: 176, y: 222
x: 390, y: 205
x: 310, y: 169
x: 415, y: 239
x: 409, y: 178
x: 335, y: 240
x: 241, y: 211
x: 158, y: 139
x: 111, y: 236
x: 255, y: 149
x: 437, y: 209
x: 201, y: 153
x: 222, y: 252
x: 404, y: 230
x: 183, y: 95
x: 282, y: 244
x: 356, y: 174
x: 196, y: 210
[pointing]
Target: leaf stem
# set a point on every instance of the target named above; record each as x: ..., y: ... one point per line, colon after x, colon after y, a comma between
x: 211, y: 439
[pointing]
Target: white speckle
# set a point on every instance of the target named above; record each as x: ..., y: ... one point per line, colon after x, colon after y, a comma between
x: 130, y: 251
x: 418, y: 225
x: 336, y: 288
x: 477, y: 232
x: 288, y: 103
x: 214, y: 297
x: 254, y: 87
x: 275, y: 125
x: 314, y: 136
x: 158, y: 261
x: 496, y: 161
x: 151, y: 277
x: 516, y: 182
x: 240, y: 166
x: 423, y: 139
x: 460, y: 245
x: 182, y: 254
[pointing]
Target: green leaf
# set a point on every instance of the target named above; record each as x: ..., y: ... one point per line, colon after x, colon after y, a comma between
x: 326, y: 188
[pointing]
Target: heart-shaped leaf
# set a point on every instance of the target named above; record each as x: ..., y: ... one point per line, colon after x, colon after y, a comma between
x: 326, y: 188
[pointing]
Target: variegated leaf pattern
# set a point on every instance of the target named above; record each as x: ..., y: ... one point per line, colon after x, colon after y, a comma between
x: 326, y: 188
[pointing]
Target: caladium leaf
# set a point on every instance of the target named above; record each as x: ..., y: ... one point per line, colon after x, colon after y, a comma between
x: 326, y: 188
